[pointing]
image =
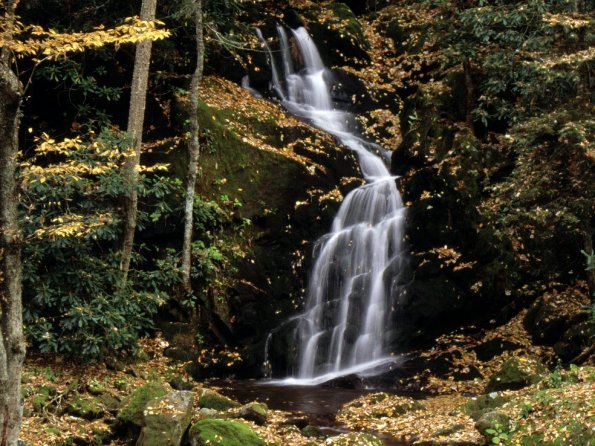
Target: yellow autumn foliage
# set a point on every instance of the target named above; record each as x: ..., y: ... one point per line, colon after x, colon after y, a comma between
x: 44, y: 44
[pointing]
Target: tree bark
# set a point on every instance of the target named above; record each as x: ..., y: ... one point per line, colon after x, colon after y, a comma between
x: 193, y: 147
x: 12, y: 342
x: 136, y: 117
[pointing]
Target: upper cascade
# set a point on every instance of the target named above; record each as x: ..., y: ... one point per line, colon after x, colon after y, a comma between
x: 346, y: 325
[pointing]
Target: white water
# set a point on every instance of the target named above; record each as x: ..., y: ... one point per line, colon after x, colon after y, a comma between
x: 345, y: 326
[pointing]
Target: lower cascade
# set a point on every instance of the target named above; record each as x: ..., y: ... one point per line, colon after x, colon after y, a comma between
x: 358, y: 270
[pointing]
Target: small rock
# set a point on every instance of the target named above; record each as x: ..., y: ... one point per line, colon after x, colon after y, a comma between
x: 205, y: 413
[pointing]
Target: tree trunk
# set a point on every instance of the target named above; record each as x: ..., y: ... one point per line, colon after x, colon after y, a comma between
x: 193, y: 147
x: 470, y: 103
x: 12, y: 342
x: 136, y: 117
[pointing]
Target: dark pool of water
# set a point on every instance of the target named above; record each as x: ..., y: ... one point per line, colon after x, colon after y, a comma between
x: 316, y: 403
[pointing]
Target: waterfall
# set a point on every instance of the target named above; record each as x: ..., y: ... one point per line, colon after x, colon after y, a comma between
x: 345, y: 326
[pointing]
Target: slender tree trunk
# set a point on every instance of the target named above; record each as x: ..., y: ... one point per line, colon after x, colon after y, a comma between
x: 193, y: 146
x: 12, y: 342
x: 136, y: 117
x: 470, y: 103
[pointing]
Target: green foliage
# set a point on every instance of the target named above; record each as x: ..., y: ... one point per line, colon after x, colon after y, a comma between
x: 74, y: 303
x: 498, y: 434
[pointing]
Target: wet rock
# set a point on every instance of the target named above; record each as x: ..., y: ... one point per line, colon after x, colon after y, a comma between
x: 209, y: 399
x: 515, y: 374
x: 223, y: 433
x: 300, y: 423
x: 255, y: 412
x: 165, y: 419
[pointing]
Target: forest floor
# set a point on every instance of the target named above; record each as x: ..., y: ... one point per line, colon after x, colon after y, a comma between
x: 68, y: 403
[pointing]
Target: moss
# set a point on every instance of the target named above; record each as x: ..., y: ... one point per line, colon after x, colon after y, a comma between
x: 224, y: 433
x: 133, y: 406
x: 210, y: 399
x: 312, y: 432
x: 476, y: 407
x: 513, y: 375
x: 42, y: 397
x: 87, y: 408
x: 352, y: 25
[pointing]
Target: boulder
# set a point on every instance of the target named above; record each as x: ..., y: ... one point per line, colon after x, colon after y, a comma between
x: 134, y: 405
x: 209, y: 399
x: 515, y: 374
x: 223, y: 433
x: 166, y: 419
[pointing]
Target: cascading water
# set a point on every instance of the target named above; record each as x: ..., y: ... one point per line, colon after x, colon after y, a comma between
x: 345, y: 326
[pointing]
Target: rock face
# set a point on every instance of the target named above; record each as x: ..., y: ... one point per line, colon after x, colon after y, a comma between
x: 554, y: 313
x: 223, y: 433
x: 165, y: 419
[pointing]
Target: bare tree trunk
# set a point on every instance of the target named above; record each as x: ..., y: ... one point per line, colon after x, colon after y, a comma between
x: 193, y: 147
x: 136, y: 117
x: 12, y: 342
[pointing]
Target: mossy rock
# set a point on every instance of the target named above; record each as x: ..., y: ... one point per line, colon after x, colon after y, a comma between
x: 255, y: 412
x: 515, y: 374
x: 209, y: 399
x: 223, y: 433
x: 134, y: 405
x: 482, y: 404
x: 87, y: 408
x: 495, y: 420
x: 354, y: 439
x: 166, y: 419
